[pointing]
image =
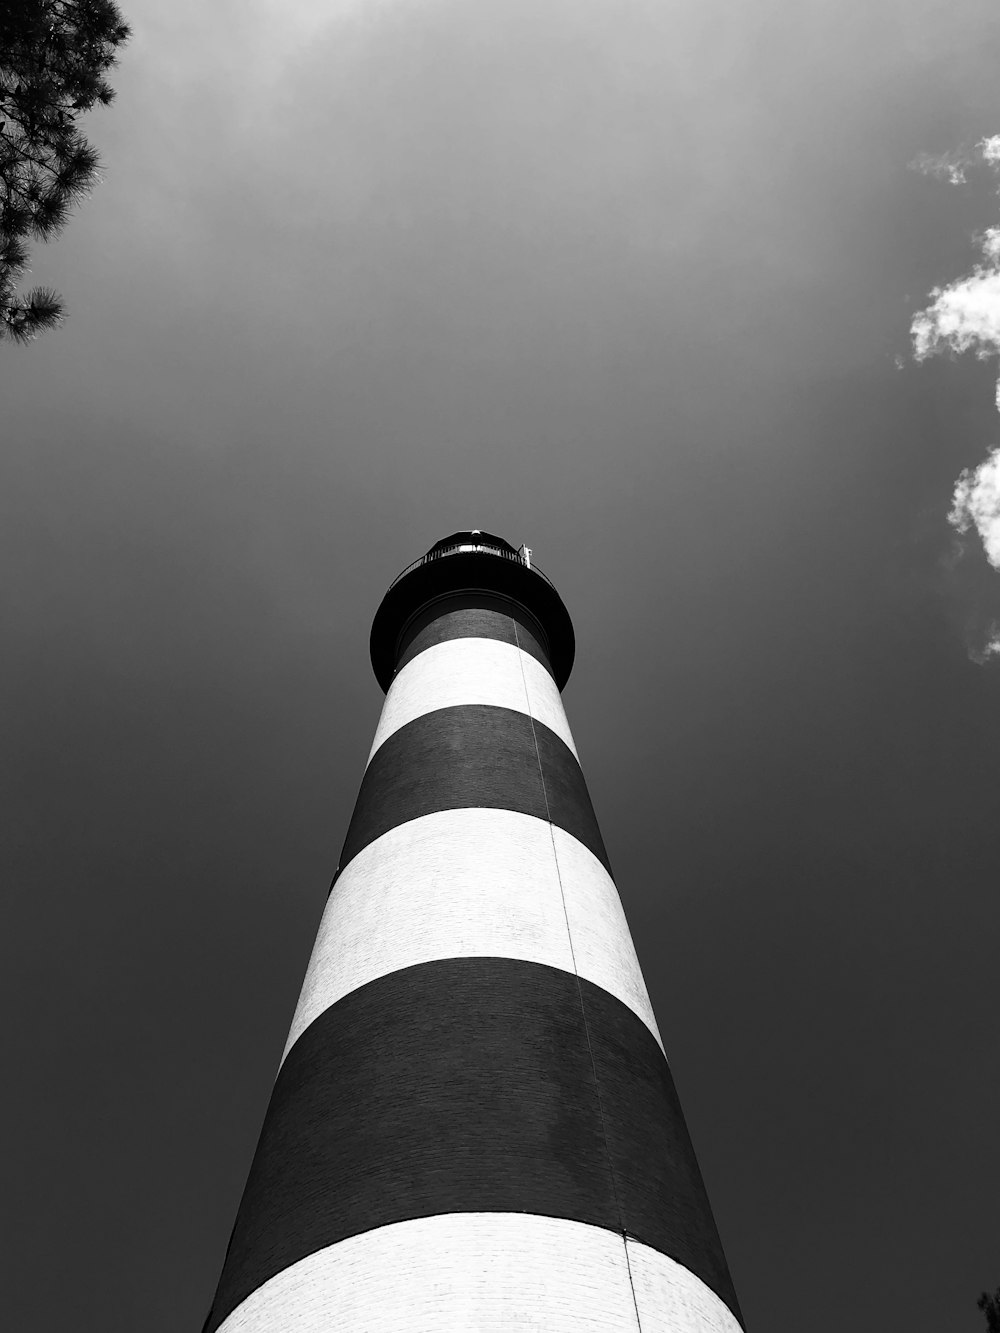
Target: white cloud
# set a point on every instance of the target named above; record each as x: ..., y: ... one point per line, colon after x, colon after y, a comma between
x: 990, y: 242
x: 976, y: 504
x: 948, y: 167
x: 964, y: 316
x: 990, y: 648
x: 953, y: 166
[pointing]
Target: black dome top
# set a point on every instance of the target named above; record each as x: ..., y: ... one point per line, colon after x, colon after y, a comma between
x: 472, y: 537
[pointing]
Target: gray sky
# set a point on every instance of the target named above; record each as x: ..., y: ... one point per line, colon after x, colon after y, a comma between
x: 626, y: 281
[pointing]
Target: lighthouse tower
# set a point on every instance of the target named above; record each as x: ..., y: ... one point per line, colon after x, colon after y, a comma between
x: 474, y: 1128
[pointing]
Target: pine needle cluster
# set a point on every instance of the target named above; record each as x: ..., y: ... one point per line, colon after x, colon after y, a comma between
x: 54, y: 55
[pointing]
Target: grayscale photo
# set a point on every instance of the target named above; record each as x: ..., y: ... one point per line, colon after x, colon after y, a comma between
x: 500, y: 743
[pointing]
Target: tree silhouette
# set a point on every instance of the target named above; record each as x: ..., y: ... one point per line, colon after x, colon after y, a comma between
x: 990, y: 1306
x: 54, y: 55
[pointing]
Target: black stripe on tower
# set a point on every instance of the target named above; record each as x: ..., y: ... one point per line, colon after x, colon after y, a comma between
x: 481, y: 1098
x: 473, y: 755
x: 475, y: 617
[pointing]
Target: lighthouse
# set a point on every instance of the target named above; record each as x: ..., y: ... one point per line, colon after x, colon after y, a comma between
x: 474, y: 1128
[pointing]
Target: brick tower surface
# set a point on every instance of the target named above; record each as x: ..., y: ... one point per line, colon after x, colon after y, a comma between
x: 474, y: 1128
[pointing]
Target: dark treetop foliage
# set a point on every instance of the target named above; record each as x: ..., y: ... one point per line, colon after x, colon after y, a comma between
x: 53, y: 58
x: 990, y: 1306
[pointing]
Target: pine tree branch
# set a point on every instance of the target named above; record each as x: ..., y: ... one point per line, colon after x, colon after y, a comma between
x: 53, y: 58
x: 22, y: 320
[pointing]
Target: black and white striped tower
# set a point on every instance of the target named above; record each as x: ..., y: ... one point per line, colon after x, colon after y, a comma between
x: 474, y: 1128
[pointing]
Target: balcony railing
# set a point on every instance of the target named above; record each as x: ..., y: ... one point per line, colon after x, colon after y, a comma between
x: 466, y: 548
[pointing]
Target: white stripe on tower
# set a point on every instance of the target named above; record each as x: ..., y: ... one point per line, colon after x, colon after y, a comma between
x: 472, y: 671
x: 484, y: 1273
x: 471, y: 883
x: 474, y: 1126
